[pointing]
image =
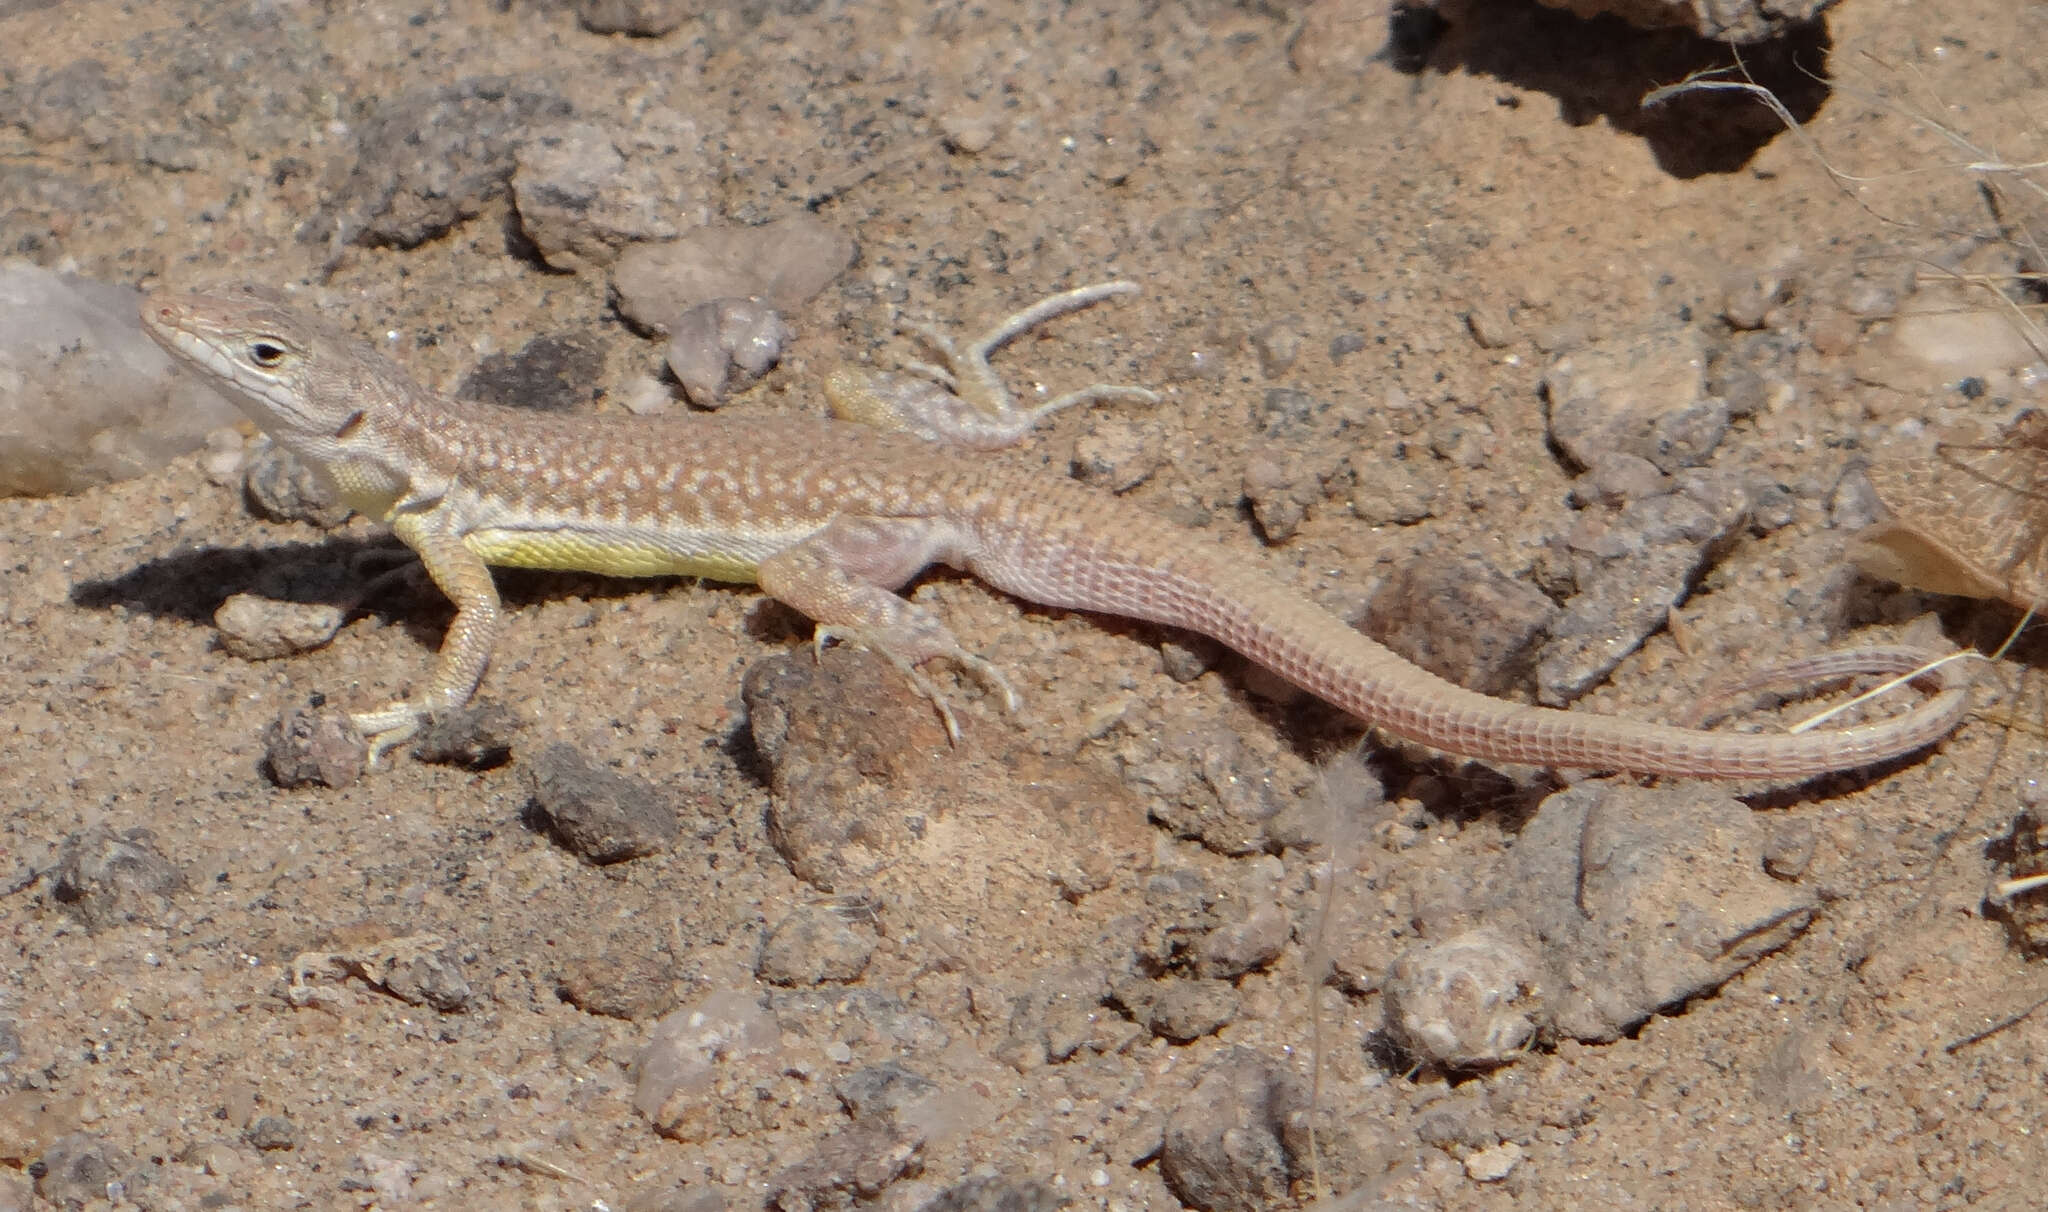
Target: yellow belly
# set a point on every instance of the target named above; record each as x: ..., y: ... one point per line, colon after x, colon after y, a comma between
x: 581, y: 553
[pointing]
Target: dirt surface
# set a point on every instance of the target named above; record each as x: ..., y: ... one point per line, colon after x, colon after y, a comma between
x: 1128, y: 949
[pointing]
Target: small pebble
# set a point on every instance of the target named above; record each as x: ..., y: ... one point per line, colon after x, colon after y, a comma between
x: 1226, y: 1145
x: 1461, y: 618
x: 644, y: 396
x: 968, y: 134
x: 1469, y: 1002
x: 1617, y: 478
x: 217, y: 1158
x: 1180, y: 1010
x: 1115, y: 454
x: 428, y: 974
x: 580, y: 199
x: 638, y: 18
x: 814, y: 946
x: 1749, y: 302
x: 1244, y: 945
x: 860, y: 1161
x: 262, y: 629
x: 1790, y: 850
x: 1278, y: 346
x: 1187, y: 657
x: 725, y: 1036
x: 1396, y: 494
x: 724, y: 345
x: 1644, y: 395
x: 1492, y: 1165
x: 1490, y: 325
x: 886, y: 1091
x: 786, y: 262
x: 272, y: 1133
x: 80, y: 1171
x: 282, y: 487
x: 222, y: 460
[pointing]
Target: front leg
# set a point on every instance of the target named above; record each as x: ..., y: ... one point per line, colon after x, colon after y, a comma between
x: 465, y: 653
x: 963, y: 403
x: 845, y: 577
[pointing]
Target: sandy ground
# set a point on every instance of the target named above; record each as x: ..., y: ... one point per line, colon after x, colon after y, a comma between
x: 1425, y: 229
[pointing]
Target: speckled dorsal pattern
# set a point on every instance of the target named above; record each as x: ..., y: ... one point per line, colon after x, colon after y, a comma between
x: 832, y: 518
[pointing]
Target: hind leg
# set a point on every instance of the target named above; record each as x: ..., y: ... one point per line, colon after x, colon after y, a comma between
x: 845, y: 578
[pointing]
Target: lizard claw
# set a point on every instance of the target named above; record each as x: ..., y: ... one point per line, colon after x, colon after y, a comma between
x: 386, y: 729
x: 980, y: 668
x: 984, y: 671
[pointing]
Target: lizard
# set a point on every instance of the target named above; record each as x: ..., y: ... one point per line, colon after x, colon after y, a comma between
x: 832, y: 516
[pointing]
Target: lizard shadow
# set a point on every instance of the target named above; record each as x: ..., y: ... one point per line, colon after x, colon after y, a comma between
x: 372, y: 575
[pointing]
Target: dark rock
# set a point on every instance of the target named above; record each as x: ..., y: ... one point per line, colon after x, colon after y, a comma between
x: 314, y: 746
x: 600, y: 814
x: 857, y: 1164
x: 847, y: 738
x: 1461, y: 619
x: 995, y: 1195
x: 428, y: 159
x: 475, y: 736
x: 106, y: 878
x: 1226, y: 1147
x: 550, y: 373
x: 883, y: 1092
x: 272, y: 1133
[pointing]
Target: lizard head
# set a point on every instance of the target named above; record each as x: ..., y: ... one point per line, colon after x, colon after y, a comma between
x: 309, y: 385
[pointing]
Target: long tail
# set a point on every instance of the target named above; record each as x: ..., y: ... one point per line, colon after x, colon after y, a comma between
x: 1130, y: 563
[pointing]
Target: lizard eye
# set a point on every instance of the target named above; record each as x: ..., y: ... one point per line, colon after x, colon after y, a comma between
x: 266, y: 353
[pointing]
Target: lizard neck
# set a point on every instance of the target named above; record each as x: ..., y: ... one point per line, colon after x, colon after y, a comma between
x: 389, y: 456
